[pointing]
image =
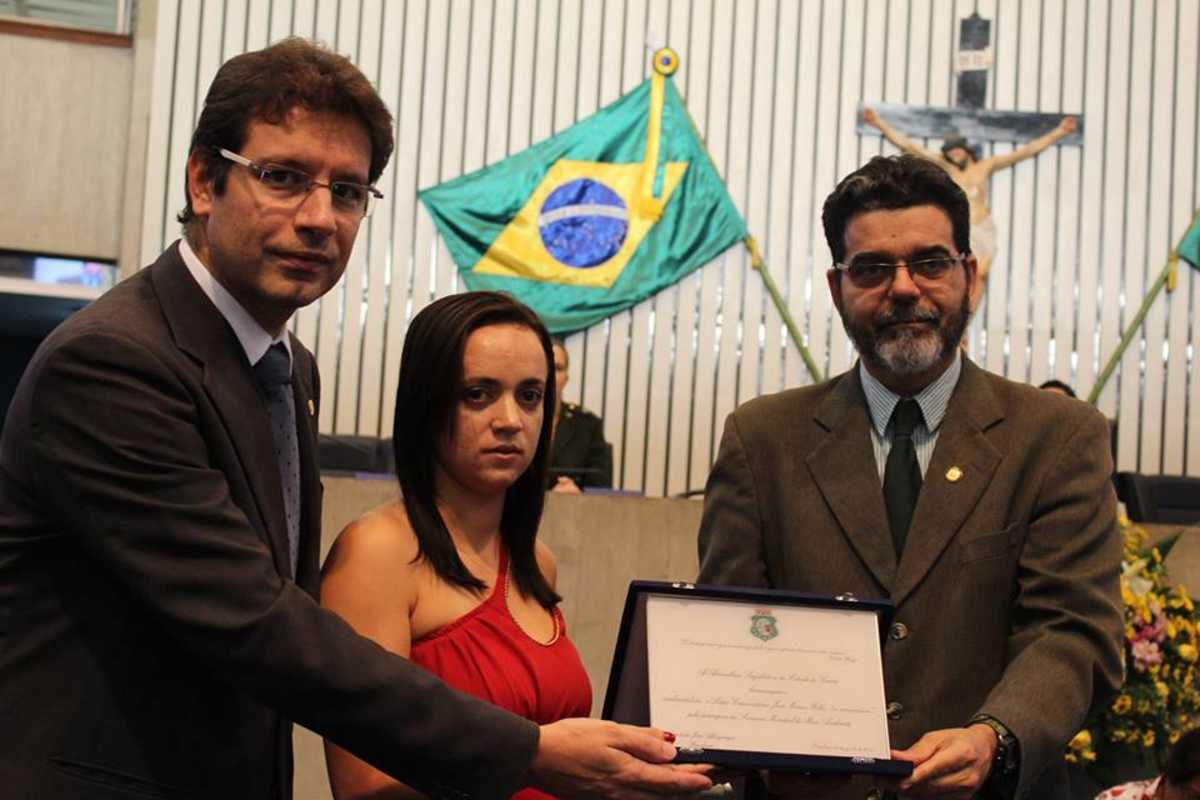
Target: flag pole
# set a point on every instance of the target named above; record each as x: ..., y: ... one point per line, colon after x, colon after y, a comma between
x: 665, y: 63
x: 1168, y: 277
x: 757, y: 262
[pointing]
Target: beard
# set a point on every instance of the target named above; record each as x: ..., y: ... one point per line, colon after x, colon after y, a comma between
x: 910, y: 350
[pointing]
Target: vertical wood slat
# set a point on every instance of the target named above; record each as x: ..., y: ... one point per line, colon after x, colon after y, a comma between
x: 774, y: 233
x: 1133, y: 231
x: 1155, y: 220
x: 187, y: 42
x: 158, y: 137
x: 1182, y: 449
x: 1069, y: 176
x: 1092, y: 295
x: 772, y: 86
x: 1047, y: 224
x: 726, y: 84
x: 1111, y: 197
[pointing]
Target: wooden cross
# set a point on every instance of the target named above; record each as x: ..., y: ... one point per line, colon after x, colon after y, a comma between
x: 969, y: 118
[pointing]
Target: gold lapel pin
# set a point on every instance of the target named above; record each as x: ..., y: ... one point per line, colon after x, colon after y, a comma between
x: 954, y: 474
x: 312, y: 409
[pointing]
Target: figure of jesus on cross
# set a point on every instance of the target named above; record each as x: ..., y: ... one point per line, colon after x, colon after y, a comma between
x: 963, y: 126
x: 959, y: 158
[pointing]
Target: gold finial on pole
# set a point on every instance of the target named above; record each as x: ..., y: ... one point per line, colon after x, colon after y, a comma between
x: 666, y: 61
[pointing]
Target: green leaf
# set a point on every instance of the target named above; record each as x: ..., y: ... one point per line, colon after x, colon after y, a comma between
x: 1163, y: 546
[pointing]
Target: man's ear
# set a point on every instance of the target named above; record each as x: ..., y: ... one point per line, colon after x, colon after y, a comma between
x: 200, y: 185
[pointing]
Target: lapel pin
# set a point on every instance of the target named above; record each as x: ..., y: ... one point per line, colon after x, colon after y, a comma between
x: 954, y: 474
x: 311, y: 408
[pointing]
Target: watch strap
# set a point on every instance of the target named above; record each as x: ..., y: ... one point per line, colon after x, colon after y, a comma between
x: 1008, y: 759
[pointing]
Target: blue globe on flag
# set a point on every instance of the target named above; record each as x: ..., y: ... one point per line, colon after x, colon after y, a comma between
x: 583, y: 223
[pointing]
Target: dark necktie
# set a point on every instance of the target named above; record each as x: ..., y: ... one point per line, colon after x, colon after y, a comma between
x: 902, y: 474
x: 274, y: 373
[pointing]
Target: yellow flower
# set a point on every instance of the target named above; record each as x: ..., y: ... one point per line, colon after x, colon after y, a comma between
x: 1148, y: 739
x: 1181, y: 599
x: 1173, y: 737
x: 1122, y: 705
x: 1163, y: 690
x: 1081, y: 740
x: 1117, y: 735
x: 1089, y: 756
x: 1188, y: 653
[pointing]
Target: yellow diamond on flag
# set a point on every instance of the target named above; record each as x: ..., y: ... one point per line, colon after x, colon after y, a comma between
x: 573, y: 192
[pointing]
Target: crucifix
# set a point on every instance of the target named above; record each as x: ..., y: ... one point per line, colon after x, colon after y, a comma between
x: 963, y: 127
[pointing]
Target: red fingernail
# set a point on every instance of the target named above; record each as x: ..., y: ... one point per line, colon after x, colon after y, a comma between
x: 670, y: 737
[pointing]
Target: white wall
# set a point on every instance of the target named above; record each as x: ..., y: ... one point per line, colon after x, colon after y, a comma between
x: 773, y: 86
x: 64, y: 119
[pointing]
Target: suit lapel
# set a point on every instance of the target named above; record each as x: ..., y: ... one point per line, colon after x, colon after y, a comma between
x: 843, y: 467
x: 201, y: 332
x: 960, y: 469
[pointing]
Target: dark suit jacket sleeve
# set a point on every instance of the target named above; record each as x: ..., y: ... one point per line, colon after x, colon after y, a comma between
x: 731, y: 528
x: 117, y: 441
x: 1066, y: 640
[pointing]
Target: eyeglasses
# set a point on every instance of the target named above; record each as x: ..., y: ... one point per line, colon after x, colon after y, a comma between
x: 289, y: 187
x: 872, y: 274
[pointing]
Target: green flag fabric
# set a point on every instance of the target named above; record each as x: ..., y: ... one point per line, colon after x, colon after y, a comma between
x: 594, y: 219
x: 1189, y: 246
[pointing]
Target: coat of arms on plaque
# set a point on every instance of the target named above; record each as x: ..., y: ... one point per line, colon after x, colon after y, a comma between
x: 763, y: 625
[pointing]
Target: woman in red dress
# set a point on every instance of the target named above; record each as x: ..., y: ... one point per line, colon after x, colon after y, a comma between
x: 452, y: 575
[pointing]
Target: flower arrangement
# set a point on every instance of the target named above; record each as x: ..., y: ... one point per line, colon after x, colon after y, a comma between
x: 1161, y: 695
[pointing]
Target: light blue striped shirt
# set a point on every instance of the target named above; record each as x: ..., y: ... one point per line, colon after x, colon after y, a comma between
x: 933, y: 399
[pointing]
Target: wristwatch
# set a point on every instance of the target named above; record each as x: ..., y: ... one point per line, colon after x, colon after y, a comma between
x: 1008, y: 752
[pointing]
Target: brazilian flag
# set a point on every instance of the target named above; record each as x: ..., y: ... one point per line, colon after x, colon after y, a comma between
x: 596, y: 218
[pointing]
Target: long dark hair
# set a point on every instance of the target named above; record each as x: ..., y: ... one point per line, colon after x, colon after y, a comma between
x: 431, y: 375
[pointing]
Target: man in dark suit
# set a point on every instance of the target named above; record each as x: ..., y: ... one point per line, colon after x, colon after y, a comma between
x: 160, y: 505
x: 980, y: 507
x: 580, y: 456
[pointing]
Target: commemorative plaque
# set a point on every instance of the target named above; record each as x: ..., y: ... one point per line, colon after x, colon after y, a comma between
x: 756, y: 678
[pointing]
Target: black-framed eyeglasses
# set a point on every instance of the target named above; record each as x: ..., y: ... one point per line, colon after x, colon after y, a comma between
x: 289, y: 187
x: 872, y: 274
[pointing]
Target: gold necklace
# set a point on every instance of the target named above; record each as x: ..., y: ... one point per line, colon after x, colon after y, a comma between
x: 553, y: 617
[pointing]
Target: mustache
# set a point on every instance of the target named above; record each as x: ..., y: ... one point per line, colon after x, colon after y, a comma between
x: 898, y: 316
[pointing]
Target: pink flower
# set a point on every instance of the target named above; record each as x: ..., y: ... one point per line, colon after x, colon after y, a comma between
x: 1146, y: 654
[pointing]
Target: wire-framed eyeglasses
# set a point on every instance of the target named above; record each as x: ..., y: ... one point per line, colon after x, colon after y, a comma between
x: 872, y: 274
x: 289, y: 187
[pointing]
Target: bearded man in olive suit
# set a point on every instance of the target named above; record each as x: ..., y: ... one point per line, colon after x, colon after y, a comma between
x: 982, y: 508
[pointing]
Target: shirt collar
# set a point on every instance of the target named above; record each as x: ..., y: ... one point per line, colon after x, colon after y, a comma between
x: 253, y: 337
x: 933, y: 399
